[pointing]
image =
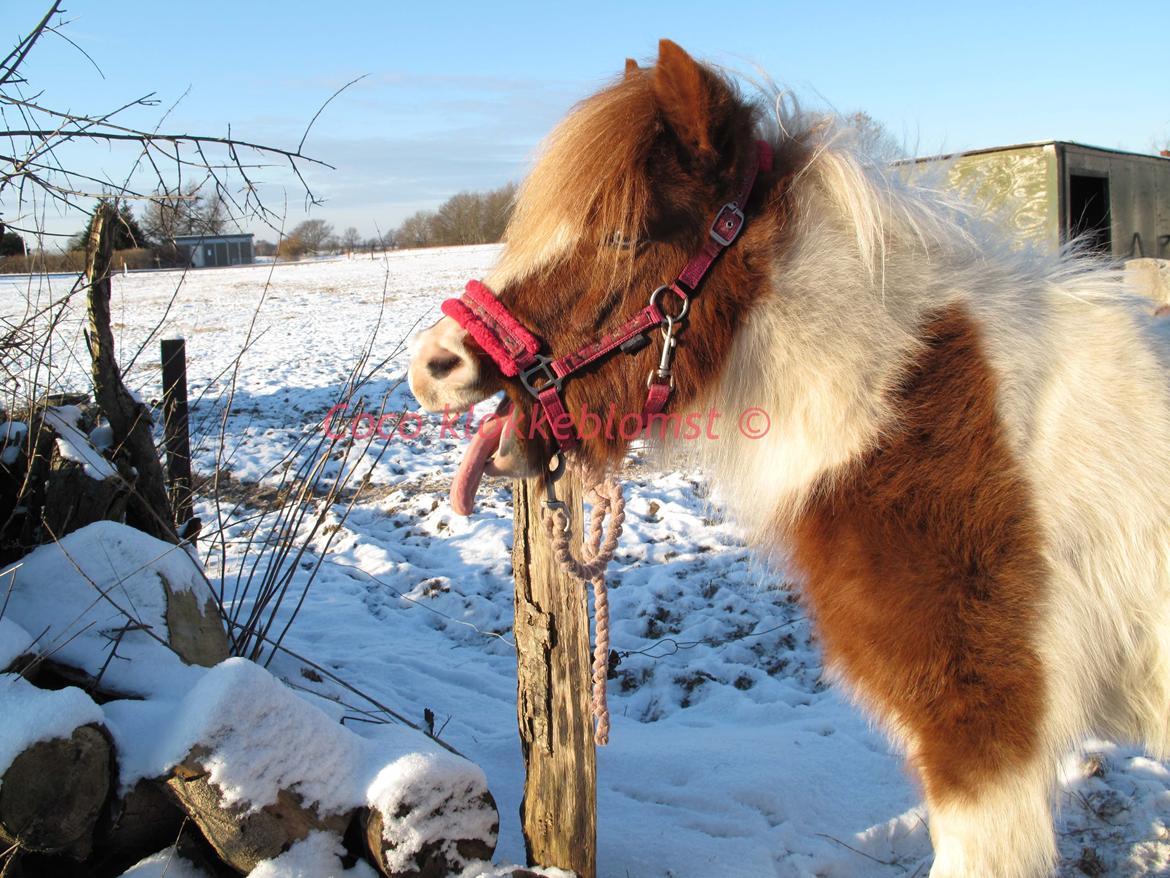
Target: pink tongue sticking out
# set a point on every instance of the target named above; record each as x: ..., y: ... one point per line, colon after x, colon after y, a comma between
x: 484, y: 443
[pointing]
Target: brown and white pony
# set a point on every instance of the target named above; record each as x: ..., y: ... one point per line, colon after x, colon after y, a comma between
x: 968, y: 456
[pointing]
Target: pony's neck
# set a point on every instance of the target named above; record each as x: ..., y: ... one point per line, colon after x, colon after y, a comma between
x: 828, y: 342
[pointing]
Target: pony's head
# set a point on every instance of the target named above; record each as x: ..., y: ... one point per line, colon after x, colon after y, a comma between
x: 623, y: 195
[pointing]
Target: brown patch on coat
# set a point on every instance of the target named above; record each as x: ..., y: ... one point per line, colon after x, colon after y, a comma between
x: 925, y: 576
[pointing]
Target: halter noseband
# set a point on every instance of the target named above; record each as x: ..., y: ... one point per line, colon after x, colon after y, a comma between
x: 517, y: 351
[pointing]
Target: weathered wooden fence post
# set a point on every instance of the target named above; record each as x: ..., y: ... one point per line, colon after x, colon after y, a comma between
x: 176, y: 435
x: 558, y: 814
x: 129, y: 419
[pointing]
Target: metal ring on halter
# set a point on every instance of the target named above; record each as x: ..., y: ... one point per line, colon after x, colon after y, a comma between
x: 686, y: 301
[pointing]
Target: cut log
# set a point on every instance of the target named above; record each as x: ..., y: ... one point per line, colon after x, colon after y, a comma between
x: 15, y: 645
x: 23, y: 530
x: 399, y: 850
x: 259, y: 768
x: 73, y: 499
x: 53, y: 793
x: 38, y: 503
x: 126, y: 612
x: 243, y: 836
x: 194, y: 629
x: 15, y: 443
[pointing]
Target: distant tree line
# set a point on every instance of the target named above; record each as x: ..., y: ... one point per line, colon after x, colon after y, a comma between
x: 466, y: 218
x: 146, y: 239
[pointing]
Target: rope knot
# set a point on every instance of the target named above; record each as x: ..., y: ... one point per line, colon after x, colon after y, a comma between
x: 597, y: 551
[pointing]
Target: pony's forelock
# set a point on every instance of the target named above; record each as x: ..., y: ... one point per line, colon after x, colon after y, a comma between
x: 588, y: 182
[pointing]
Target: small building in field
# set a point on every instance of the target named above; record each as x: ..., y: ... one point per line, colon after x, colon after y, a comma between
x: 1054, y: 191
x: 216, y: 251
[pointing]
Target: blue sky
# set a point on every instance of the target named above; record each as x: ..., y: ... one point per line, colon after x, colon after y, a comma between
x: 458, y: 95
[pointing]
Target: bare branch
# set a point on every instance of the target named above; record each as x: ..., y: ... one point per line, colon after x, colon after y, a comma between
x: 145, y: 137
x: 321, y: 109
x: 25, y: 46
x: 56, y: 31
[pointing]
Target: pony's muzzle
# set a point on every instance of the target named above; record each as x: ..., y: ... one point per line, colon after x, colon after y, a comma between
x: 444, y: 373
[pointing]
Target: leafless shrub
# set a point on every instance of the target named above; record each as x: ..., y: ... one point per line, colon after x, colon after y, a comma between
x: 184, y: 182
x: 312, y: 489
x: 160, y: 165
x: 314, y: 234
x: 291, y: 248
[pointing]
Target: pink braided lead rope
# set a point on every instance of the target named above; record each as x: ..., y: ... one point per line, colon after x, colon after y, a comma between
x: 607, y: 500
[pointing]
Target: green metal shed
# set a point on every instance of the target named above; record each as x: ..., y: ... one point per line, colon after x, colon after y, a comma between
x: 213, y: 251
x: 1048, y: 192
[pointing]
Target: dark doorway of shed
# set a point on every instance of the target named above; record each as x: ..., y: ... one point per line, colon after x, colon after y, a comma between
x: 1088, y: 212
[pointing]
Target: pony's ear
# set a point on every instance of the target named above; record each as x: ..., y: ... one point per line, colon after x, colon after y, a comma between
x: 684, y: 93
x: 632, y: 68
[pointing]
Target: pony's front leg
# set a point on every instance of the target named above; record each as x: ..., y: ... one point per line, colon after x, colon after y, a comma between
x: 1002, y: 830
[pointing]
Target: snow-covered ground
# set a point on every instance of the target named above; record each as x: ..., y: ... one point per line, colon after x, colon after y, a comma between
x: 730, y: 753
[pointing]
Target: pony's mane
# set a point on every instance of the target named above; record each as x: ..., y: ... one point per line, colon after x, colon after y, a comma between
x: 888, y: 211
x: 876, y: 201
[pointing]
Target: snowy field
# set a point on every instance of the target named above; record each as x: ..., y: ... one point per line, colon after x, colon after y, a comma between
x: 730, y: 753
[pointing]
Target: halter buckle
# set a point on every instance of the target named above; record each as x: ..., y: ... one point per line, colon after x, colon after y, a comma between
x: 656, y: 377
x: 542, y: 368
x: 727, y: 224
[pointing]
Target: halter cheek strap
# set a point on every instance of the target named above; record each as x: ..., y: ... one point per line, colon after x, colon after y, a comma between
x: 516, y: 351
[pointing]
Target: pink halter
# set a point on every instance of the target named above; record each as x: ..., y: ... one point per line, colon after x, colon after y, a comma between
x: 517, y: 351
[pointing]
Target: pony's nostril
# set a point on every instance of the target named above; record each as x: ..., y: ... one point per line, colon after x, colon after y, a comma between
x: 442, y: 366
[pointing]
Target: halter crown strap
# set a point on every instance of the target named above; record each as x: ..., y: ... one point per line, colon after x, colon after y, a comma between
x: 729, y: 222
x: 725, y: 229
